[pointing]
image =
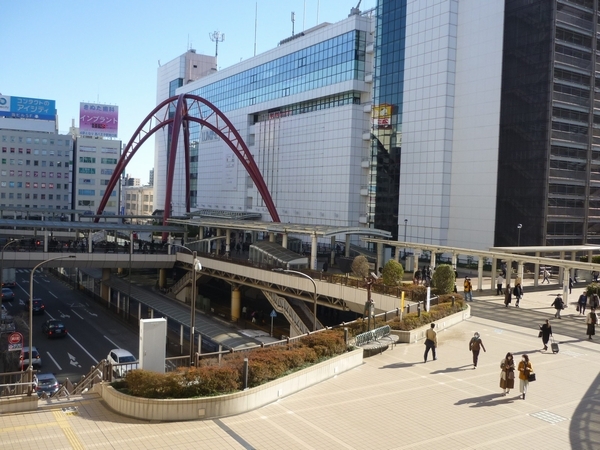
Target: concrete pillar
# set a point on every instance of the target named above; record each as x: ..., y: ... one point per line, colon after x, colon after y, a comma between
x: 509, y: 272
x: 227, y: 242
x: 45, y: 241
x: 572, y: 271
x: 590, y: 255
x: 397, y: 254
x: 561, y: 269
x: 200, y: 233
x: 347, y: 249
x: 536, y: 268
x: 479, y: 274
x: 432, y: 262
x: 379, y: 257
x: 284, y: 239
x: 494, y: 273
x: 565, y: 286
x: 313, y: 252
x: 90, y: 241
x: 271, y: 237
x: 162, y: 278
x: 236, y: 304
x: 520, y: 268
x: 131, y: 243
x: 105, y: 290
x: 118, y: 301
x: 332, y: 251
x: 454, y: 261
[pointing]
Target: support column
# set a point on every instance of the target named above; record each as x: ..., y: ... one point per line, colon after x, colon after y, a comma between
x: 236, y: 304
x: 494, y: 273
x: 432, y: 260
x: 536, y: 268
x: 479, y: 274
x: 313, y: 252
x: 454, y: 261
x: 379, y: 258
x: 332, y: 251
x: 347, y: 248
x: 565, y: 282
x: 104, y: 289
x: 572, y: 271
x: 284, y: 240
x: 227, y: 242
x: 508, y: 272
x: 397, y: 254
x: 561, y: 269
x: 271, y: 237
x: 520, y: 267
x: 131, y: 244
x: 45, y: 240
x: 162, y: 278
x: 90, y: 243
x: 200, y: 234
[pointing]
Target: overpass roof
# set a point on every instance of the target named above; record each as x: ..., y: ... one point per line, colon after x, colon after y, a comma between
x: 276, y: 227
x: 58, y: 225
x: 547, y: 248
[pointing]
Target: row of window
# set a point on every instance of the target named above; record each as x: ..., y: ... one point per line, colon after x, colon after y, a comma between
x: 43, y: 141
x: 90, y: 149
x: 146, y: 197
x: 19, y: 162
x: 92, y: 181
x: 29, y: 151
x: 92, y: 160
x: 27, y: 196
x: 27, y: 184
x: 92, y: 171
x: 92, y: 203
x: 92, y: 192
x: 19, y: 173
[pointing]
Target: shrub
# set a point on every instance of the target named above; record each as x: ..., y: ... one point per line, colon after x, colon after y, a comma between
x: 412, y: 321
x: 360, y: 267
x: 393, y: 272
x: 592, y: 288
x: 443, y: 279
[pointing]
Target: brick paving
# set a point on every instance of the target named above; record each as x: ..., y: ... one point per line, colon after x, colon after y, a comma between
x: 393, y: 401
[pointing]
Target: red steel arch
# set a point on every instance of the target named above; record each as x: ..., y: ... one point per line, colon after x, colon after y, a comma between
x: 188, y: 108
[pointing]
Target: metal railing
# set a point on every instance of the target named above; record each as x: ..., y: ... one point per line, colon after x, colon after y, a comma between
x: 372, y: 335
x: 282, y: 306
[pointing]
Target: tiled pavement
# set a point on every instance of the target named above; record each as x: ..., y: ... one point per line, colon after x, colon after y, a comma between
x: 393, y: 401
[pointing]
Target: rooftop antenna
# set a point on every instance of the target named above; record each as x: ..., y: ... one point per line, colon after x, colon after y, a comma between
x: 355, y: 11
x: 304, y: 16
x: 293, y: 21
x: 255, y: 25
x: 318, y: 6
x: 216, y: 37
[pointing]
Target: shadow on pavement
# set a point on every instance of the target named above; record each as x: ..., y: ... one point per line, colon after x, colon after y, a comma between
x: 486, y: 400
x: 584, y: 430
x: 398, y: 366
x: 452, y: 369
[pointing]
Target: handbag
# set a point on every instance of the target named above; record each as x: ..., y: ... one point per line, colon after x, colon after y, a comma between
x: 531, y: 377
x: 540, y: 333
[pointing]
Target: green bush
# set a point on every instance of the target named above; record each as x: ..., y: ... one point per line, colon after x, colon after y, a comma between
x: 412, y: 321
x: 592, y: 288
x: 393, y: 272
x: 443, y: 279
x: 360, y: 267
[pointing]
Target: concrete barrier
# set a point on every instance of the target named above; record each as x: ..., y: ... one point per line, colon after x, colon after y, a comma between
x: 230, y: 404
x: 18, y: 403
x: 413, y: 336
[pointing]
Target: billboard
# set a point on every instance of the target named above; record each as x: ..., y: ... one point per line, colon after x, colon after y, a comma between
x: 382, y: 115
x: 98, y: 120
x: 27, y: 108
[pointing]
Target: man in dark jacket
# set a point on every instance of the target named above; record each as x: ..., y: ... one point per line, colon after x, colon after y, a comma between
x: 475, y: 346
x: 559, y: 305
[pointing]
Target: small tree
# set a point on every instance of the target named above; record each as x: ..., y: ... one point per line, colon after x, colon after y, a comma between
x: 443, y: 279
x: 360, y: 267
x: 393, y: 272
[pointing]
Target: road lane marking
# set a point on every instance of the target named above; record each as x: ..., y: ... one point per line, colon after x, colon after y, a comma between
x: 73, y: 360
x: 83, y: 348
x: 53, y: 360
x: 117, y: 346
x: 49, y: 292
x: 73, y: 311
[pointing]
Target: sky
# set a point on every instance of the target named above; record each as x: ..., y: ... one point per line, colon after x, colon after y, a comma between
x: 74, y: 51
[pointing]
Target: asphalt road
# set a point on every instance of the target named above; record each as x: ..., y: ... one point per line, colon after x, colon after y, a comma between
x: 93, y: 331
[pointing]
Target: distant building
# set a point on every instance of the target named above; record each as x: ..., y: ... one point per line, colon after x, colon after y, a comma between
x: 139, y: 200
x: 151, y: 178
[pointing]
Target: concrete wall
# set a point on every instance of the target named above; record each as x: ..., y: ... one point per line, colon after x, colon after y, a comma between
x: 413, y: 336
x: 231, y: 404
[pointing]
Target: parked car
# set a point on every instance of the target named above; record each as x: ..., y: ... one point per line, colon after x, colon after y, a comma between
x: 7, y: 295
x: 54, y: 328
x: 7, y: 324
x: 122, y: 361
x: 45, y: 383
x: 38, y: 306
x: 24, y: 358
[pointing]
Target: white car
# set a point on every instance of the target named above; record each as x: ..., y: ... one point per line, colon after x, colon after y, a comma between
x: 122, y: 361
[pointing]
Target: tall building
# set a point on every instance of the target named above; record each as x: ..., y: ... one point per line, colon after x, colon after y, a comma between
x: 151, y: 178
x: 170, y: 77
x: 35, y: 165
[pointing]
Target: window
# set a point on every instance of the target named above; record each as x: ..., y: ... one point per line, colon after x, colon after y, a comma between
x: 20, y: 163
x: 87, y: 170
x: 43, y: 174
x: 43, y: 185
x: 27, y: 162
x: 51, y: 174
x: 108, y: 161
x: 28, y: 151
x: 27, y: 173
x: 114, y: 151
x: 44, y: 163
x: 86, y: 192
x: 50, y: 196
x: 21, y: 150
x: 87, y: 181
x: 12, y: 173
x: 36, y: 162
x: 35, y: 173
x: 106, y: 171
x: 84, y: 148
x: 11, y: 184
x: 35, y: 185
x: 42, y: 196
x: 20, y: 173
x: 36, y: 152
x: 51, y: 186
x: 27, y: 184
x: 87, y: 159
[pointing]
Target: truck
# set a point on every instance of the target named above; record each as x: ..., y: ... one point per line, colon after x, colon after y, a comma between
x: 8, y: 278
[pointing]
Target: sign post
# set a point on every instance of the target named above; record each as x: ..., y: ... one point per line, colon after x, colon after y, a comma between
x: 15, y: 342
x: 273, y: 315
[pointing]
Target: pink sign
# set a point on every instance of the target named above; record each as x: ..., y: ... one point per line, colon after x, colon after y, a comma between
x: 98, y: 120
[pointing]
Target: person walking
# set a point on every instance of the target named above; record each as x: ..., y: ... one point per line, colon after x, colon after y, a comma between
x: 518, y: 293
x: 571, y: 284
x: 592, y: 320
x: 545, y: 333
x: 430, y: 342
x: 595, y: 301
x: 507, y: 295
x: 525, y: 369
x: 546, y: 275
x: 468, y: 290
x: 559, y: 305
x: 475, y: 346
x: 507, y: 376
x: 499, y: 283
x: 582, y: 302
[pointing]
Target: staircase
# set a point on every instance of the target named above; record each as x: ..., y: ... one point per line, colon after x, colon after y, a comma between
x: 304, y: 312
x: 181, y: 284
x: 282, y: 306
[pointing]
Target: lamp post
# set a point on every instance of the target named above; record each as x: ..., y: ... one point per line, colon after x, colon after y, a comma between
x: 314, y: 293
x: 2, y: 261
x: 196, y: 267
x: 30, y: 367
x: 405, y: 223
x: 519, y: 226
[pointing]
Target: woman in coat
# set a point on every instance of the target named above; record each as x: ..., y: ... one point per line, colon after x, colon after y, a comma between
x: 546, y: 332
x: 592, y: 320
x: 507, y: 376
x: 507, y: 295
x: 525, y: 369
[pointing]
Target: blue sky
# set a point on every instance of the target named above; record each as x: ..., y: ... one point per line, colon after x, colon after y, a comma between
x: 108, y: 52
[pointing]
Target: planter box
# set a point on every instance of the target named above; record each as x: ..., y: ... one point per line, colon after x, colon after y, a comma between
x: 230, y: 404
x: 413, y: 336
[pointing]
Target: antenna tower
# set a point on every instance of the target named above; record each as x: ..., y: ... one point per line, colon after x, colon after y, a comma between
x: 216, y: 37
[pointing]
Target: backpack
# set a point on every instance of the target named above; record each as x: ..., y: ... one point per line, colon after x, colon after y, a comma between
x: 475, y: 344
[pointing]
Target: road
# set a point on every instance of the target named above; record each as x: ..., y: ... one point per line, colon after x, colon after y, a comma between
x: 93, y: 331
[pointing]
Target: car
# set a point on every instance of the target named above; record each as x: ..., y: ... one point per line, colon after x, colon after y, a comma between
x: 7, y: 295
x: 38, y: 306
x: 122, y: 361
x: 7, y: 324
x: 24, y: 358
x: 45, y: 383
x: 54, y: 328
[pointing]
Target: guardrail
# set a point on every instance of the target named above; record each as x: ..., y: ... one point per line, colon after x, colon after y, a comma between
x: 372, y: 335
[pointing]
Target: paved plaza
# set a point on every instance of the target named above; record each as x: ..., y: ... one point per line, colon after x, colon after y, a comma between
x: 393, y: 401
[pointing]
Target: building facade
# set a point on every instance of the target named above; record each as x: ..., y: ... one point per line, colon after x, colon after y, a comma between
x: 139, y: 200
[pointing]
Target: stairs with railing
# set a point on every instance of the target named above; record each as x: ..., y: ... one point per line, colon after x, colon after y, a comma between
x: 282, y: 306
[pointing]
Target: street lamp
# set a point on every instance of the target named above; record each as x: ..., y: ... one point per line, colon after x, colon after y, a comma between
x: 519, y: 226
x: 314, y: 293
x: 2, y: 260
x: 405, y: 223
x: 30, y: 368
x: 196, y: 267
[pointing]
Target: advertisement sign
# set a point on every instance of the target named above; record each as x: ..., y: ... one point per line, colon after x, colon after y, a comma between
x: 382, y: 115
x: 15, y: 342
x: 98, y: 120
x: 27, y: 108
